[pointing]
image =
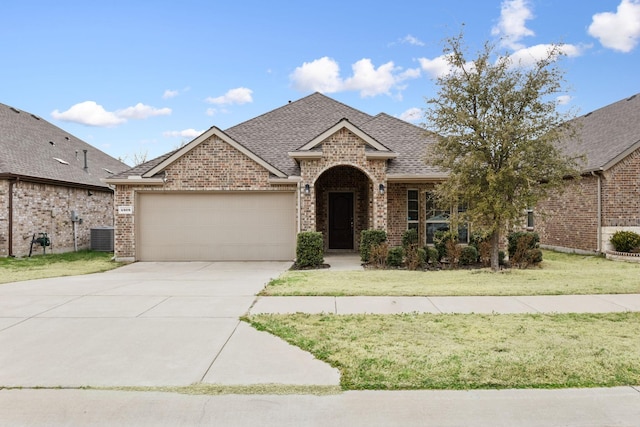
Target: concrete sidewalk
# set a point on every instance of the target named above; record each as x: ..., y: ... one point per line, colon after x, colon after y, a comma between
x: 439, y: 305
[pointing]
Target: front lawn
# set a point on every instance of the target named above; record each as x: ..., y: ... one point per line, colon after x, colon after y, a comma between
x: 558, y: 274
x: 462, y: 351
x: 55, y: 265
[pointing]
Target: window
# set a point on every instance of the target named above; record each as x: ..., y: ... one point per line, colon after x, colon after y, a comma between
x: 413, y: 210
x: 530, y: 219
x: 439, y: 217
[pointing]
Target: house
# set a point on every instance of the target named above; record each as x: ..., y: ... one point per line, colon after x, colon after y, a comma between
x: 244, y: 193
x: 47, y: 176
x: 607, y: 197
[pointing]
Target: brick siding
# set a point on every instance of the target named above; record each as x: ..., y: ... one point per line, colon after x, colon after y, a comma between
x: 47, y: 208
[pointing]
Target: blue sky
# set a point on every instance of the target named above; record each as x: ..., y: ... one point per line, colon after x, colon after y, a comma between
x: 137, y: 76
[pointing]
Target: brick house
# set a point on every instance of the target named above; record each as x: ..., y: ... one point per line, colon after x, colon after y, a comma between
x: 244, y: 193
x: 607, y: 197
x: 45, y: 175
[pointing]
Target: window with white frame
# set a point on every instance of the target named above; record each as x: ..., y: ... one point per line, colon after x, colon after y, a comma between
x: 438, y: 218
x: 413, y: 209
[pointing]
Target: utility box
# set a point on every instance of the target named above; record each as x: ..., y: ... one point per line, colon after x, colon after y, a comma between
x: 102, y: 239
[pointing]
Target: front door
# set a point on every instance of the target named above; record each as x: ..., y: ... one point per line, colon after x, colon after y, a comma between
x: 340, y: 220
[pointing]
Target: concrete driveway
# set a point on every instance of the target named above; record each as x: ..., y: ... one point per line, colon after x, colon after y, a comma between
x: 146, y: 324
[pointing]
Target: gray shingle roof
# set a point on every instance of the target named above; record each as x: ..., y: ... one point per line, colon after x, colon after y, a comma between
x: 273, y: 134
x: 29, y: 147
x: 606, y: 134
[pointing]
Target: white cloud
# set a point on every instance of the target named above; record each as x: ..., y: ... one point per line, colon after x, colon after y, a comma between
x: 239, y: 96
x: 323, y: 75
x: 170, y: 94
x: 409, y: 39
x: 411, y: 115
x: 91, y: 113
x: 512, y: 26
x: 529, y: 56
x: 563, y: 99
x: 320, y: 75
x: 186, y: 133
x: 436, y: 67
x: 141, y: 111
x: 621, y: 30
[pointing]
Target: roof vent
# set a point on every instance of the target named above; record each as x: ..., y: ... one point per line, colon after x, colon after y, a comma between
x: 15, y: 110
x: 588, y: 114
x: 60, y: 161
x: 631, y: 97
x: 52, y: 143
x: 107, y: 171
x: 35, y: 117
x: 67, y: 138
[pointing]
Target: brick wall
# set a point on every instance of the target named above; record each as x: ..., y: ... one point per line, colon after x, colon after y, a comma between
x: 213, y: 165
x: 621, y: 193
x: 47, y: 208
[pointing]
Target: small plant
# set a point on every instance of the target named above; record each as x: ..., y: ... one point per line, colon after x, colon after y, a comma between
x: 432, y: 255
x: 526, y: 251
x: 480, y: 241
x: 625, y: 241
x: 409, y: 237
x: 369, y: 239
x: 454, y: 251
x: 395, y: 256
x: 514, y: 238
x: 378, y: 255
x: 440, y: 240
x: 468, y: 255
x: 415, y: 257
x: 309, y: 249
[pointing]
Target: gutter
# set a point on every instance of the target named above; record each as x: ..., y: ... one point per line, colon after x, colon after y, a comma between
x: 10, y: 234
x: 598, y: 174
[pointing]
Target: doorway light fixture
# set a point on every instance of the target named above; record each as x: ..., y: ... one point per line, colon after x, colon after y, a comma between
x: 381, y: 188
x: 307, y: 189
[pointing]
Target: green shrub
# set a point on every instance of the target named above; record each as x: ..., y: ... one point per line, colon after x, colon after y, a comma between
x: 432, y: 254
x: 395, y: 256
x: 409, y: 237
x: 501, y: 258
x: 625, y: 241
x: 369, y: 239
x: 468, y: 255
x: 309, y: 249
x: 481, y: 242
x: 514, y: 239
x: 440, y: 240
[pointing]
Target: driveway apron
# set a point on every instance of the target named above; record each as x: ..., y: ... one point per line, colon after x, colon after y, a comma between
x: 145, y: 324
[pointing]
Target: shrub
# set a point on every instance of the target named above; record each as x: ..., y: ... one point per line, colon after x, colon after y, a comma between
x: 514, y: 238
x: 395, y: 256
x: 440, y: 240
x: 454, y: 250
x: 480, y: 241
x: 468, y: 255
x: 625, y: 241
x: 378, y: 255
x: 431, y: 254
x: 309, y: 249
x: 415, y: 257
x: 409, y: 237
x: 369, y: 239
x: 501, y: 258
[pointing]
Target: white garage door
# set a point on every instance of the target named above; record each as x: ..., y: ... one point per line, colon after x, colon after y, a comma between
x: 257, y: 226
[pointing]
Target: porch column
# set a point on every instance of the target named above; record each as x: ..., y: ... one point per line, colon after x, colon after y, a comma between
x: 380, y: 206
x: 307, y: 206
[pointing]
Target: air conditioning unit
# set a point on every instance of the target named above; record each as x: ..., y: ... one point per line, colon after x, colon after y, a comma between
x: 102, y: 239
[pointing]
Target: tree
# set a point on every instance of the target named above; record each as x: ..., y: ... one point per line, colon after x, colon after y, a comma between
x: 499, y: 135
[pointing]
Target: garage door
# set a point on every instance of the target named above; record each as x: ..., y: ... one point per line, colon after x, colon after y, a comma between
x: 215, y: 227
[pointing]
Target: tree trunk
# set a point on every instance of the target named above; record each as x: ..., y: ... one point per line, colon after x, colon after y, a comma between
x: 495, y: 250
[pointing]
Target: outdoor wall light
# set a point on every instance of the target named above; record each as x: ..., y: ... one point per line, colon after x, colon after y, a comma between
x: 307, y: 189
x: 381, y: 188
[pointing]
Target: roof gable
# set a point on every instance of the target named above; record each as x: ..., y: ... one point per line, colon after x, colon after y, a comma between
x: 31, y: 147
x: 607, y: 135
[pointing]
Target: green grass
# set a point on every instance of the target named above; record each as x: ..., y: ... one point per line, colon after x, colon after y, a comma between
x: 558, y: 274
x: 426, y: 351
x: 55, y: 265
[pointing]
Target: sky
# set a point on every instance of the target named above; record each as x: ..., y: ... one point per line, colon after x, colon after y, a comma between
x: 139, y: 78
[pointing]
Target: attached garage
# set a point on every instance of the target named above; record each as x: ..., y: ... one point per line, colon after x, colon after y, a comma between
x: 200, y: 226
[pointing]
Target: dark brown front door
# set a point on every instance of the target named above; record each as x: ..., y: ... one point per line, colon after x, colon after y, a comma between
x: 340, y: 220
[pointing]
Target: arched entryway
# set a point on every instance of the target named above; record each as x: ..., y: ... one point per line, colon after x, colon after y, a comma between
x: 343, y: 207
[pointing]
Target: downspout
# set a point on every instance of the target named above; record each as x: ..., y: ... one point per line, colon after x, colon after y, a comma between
x: 599, y: 226
x: 10, y: 242
x: 299, y: 191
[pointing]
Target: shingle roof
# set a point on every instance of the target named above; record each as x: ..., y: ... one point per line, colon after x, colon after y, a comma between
x: 606, y: 134
x: 274, y: 134
x: 30, y: 147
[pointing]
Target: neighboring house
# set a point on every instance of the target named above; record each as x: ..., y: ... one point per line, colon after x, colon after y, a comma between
x: 46, y: 174
x: 244, y: 193
x: 607, y: 197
